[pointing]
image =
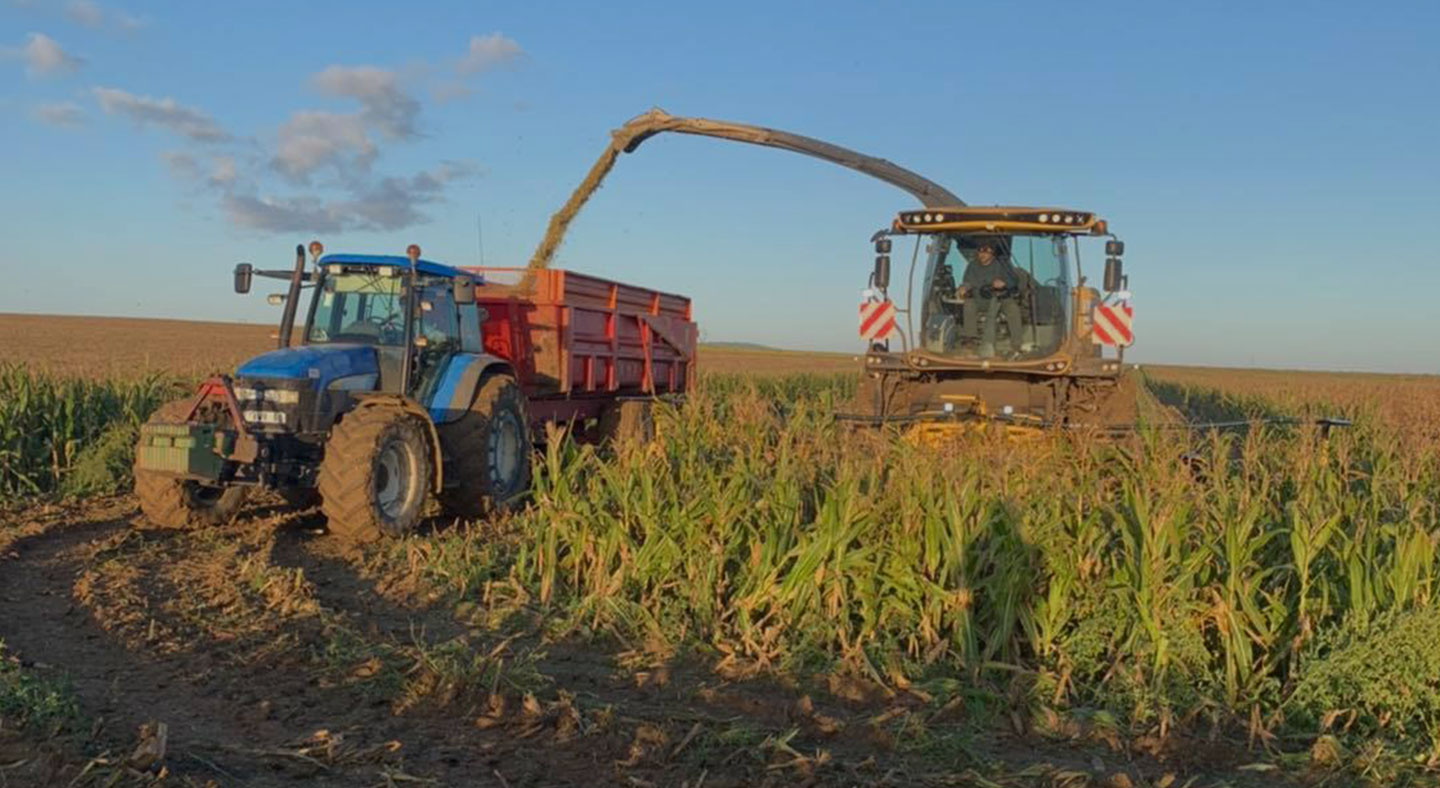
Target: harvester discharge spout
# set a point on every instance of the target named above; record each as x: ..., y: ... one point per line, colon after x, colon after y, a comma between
x: 629, y: 137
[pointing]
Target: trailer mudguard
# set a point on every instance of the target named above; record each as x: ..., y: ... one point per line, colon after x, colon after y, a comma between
x: 458, y: 381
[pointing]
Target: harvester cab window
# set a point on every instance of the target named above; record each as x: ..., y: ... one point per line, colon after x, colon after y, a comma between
x: 995, y: 296
x: 359, y: 307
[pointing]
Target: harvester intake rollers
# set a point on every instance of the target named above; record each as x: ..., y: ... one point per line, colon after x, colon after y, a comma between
x: 375, y: 475
x: 169, y: 502
x: 487, y: 452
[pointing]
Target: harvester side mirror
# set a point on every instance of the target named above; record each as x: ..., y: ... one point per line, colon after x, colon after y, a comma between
x: 882, y: 246
x: 1114, y: 274
x: 464, y: 292
x: 881, y: 277
x: 1114, y: 248
x: 244, y: 272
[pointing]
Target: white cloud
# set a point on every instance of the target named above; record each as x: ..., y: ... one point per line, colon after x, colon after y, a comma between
x: 389, y: 204
x: 384, y: 104
x: 43, y: 56
x: 446, y: 92
x: 486, y: 52
x: 287, y: 215
x: 312, y: 139
x: 84, y: 12
x: 393, y: 203
x: 166, y: 113
x: 61, y: 113
x: 181, y: 165
x: 222, y: 171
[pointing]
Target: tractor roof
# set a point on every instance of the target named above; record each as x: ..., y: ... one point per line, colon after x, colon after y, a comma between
x: 423, y: 266
x: 999, y: 219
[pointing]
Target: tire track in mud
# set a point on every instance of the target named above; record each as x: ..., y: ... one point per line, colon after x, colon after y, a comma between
x: 128, y: 618
x: 223, y: 635
x: 230, y: 722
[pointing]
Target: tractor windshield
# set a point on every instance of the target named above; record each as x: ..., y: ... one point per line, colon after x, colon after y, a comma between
x: 359, y: 307
x: 995, y: 296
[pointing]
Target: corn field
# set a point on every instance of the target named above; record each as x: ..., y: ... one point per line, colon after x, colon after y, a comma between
x: 1272, y: 581
x: 47, y: 422
x: 1276, y: 581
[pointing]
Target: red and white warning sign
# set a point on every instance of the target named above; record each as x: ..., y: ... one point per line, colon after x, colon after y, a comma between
x: 1111, y: 324
x: 877, y: 320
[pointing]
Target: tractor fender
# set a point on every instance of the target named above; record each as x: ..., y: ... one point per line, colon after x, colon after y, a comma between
x: 460, y: 381
x: 407, y: 405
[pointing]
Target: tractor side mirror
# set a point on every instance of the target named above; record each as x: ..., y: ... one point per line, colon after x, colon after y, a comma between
x: 1114, y: 248
x: 244, y: 272
x: 882, y: 246
x: 881, y: 277
x: 1114, y: 273
x: 464, y: 290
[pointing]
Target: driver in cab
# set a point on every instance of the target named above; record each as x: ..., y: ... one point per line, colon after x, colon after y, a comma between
x: 990, y: 288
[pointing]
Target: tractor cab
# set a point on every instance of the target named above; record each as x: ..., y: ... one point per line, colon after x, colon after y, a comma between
x: 375, y: 324
x: 994, y: 287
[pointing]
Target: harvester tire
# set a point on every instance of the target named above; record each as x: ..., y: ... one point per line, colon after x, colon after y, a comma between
x: 627, y: 421
x: 169, y: 502
x: 487, y: 452
x: 375, y: 475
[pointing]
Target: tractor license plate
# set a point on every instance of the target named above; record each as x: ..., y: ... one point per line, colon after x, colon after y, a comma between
x: 264, y: 416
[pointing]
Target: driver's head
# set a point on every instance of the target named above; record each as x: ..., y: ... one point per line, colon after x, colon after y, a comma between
x: 985, y: 252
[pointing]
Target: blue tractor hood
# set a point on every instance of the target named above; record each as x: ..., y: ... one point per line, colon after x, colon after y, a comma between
x: 321, y: 364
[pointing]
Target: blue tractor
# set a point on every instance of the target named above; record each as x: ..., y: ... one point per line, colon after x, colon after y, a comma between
x: 386, y: 399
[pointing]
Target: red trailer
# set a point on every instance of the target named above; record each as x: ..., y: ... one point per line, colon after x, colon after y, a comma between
x: 580, y: 344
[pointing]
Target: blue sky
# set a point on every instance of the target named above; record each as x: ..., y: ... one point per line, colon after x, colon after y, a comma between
x: 1273, y: 167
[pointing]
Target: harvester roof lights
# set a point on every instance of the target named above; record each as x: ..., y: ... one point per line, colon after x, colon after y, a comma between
x: 316, y: 249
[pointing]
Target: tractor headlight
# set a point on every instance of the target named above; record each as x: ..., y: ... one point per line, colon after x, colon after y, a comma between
x: 272, y: 396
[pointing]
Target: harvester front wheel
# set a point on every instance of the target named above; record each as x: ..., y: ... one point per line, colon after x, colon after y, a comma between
x: 375, y: 474
x: 169, y: 502
x: 487, y: 452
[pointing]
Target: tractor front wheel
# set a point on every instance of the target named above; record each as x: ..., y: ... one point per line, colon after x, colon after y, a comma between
x: 375, y: 474
x: 170, y: 502
x: 487, y: 452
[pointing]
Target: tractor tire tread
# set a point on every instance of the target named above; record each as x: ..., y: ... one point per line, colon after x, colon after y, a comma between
x: 344, y: 481
x: 471, y: 494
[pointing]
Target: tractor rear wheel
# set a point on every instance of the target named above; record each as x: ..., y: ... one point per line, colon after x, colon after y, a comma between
x: 375, y: 474
x: 628, y: 421
x: 170, y: 502
x: 487, y: 452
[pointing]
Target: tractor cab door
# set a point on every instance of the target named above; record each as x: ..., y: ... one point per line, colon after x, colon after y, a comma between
x: 437, y: 337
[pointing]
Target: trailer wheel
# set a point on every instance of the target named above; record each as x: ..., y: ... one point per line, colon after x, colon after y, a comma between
x: 487, y: 451
x: 375, y: 474
x: 628, y: 421
x: 169, y: 502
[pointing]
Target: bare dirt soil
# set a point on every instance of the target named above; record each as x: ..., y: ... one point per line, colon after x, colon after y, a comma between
x: 274, y: 658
